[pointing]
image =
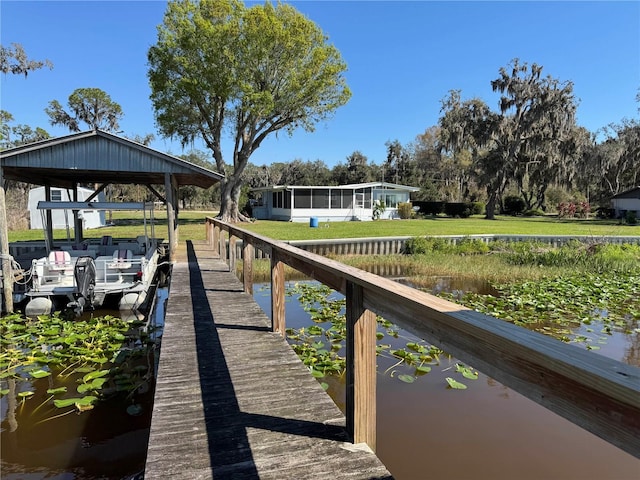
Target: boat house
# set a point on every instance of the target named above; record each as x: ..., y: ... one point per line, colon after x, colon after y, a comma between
x: 329, y: 203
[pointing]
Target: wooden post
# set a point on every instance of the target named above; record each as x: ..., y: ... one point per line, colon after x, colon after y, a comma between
x: 361, y: 368
x: 216, y: 238
x: 170, y: 216
x: 277, y: 294
x: 49, y: 216
x: 247, y: 265
x: 232, y: 253
x: 7, y: 274
x: 207, y: 224
x: 223, y: 246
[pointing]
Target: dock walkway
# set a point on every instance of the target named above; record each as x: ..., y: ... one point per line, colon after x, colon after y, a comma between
x: 233, y: 401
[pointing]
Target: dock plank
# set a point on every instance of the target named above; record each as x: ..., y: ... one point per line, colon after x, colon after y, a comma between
x: 232, y: 399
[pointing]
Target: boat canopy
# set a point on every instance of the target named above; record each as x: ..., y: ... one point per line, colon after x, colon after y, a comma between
x: 43, y: 205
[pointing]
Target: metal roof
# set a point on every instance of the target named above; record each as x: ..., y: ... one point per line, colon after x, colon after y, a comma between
x: 631, y: 193
x: 98, y: 157
x: 352, y: 186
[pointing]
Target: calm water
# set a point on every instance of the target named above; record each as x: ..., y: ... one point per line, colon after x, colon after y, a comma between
x: 103, y: 443
x: 487, y: 431
x: 424, y: 429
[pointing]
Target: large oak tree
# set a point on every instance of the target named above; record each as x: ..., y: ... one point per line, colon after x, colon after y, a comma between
x: 221, y: 67
x: 534, y: 131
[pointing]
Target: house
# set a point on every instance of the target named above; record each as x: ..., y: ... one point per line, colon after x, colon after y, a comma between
x: 626, y: 201
x: 329, y: 203
x: 62, y: 218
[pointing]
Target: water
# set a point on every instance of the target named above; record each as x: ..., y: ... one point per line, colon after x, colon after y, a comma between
x: 424, y: 429
x: 104, y: 443
x: 488, y: 431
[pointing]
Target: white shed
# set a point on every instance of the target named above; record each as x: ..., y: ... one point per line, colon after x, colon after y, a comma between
x: 626, y: 201
x: 62, y: 218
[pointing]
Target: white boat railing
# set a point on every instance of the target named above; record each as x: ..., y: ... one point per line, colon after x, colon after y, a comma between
x: 109, y: 272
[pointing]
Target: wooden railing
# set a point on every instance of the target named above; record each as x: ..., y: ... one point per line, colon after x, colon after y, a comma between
x: 595, y: 392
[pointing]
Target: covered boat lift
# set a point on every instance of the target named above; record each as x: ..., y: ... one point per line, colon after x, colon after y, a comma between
x: 98, y: 157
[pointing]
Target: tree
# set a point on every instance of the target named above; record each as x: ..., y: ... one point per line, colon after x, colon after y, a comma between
x: 615, y: 160
x: 14, y: 60
x: 534, y: 129
x: 396, y: 164
x: 254, y: 71
x: 356, y: 170
x: 13, y: 136
x: 86, y: 105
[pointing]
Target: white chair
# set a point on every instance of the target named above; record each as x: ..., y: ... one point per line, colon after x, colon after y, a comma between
x: 58, y: 266
x: 121, y: 259
x: 59, y: 261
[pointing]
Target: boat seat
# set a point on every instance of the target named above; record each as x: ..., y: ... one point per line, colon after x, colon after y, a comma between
x: 106, y: 240
x: 60, y: 261
x: 121, y: 259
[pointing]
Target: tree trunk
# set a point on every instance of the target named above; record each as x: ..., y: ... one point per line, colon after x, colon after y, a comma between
x: 229, y: 199
x: 491, y: 206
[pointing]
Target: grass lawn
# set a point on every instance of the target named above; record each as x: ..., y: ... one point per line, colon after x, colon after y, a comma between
x: 129, y: 224
x: 442, y: 226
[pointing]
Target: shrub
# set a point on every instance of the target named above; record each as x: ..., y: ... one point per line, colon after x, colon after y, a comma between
x: 534, y: 212
x: 513, y: 205
x: 574, y: 209
x: 416, y: 246
x: 567, y: 210
x: 472, y: 246
x: 430, y: 208
x: 605, y: 212
x: 458, y: 209
x: 630, y: 218
x: 405, y: 210
x: 583, y: 209
x: 477, y: 208
x: 379, y: 208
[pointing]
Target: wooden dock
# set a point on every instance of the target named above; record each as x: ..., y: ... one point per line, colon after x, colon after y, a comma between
x: 232, y: 399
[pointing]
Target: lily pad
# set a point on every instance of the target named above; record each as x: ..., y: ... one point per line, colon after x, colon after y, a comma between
x: 455, y: 384
x: 55, y: 391
x: 134, y: 410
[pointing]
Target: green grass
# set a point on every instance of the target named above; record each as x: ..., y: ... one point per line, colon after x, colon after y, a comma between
x: 441, y: 226
x: 129, y: 224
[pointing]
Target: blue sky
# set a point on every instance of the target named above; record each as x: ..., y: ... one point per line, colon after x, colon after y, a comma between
x: 403, y: 58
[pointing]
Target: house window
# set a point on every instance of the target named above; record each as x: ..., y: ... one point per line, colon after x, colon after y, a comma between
x: 287, y: 199
x: 302, y: 198
x: 336, y: 199
x: 390, y: 201
x: 320, y: 198
x: 56, y: 195
x: 277, y: 198
x: 347, y: 198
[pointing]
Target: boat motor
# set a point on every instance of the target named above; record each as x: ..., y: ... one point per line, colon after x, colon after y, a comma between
x: 85, y: 275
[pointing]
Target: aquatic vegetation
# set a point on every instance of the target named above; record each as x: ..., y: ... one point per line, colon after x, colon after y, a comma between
x: 321, y: 346
x: 98, y: 355
x: 559, y: 306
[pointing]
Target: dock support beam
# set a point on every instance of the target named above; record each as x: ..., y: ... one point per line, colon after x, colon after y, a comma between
x: 361, y: 368
x: 247, y: 266
x: 172, y: 217
x: 7, y: 275
x: 277, y: 295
